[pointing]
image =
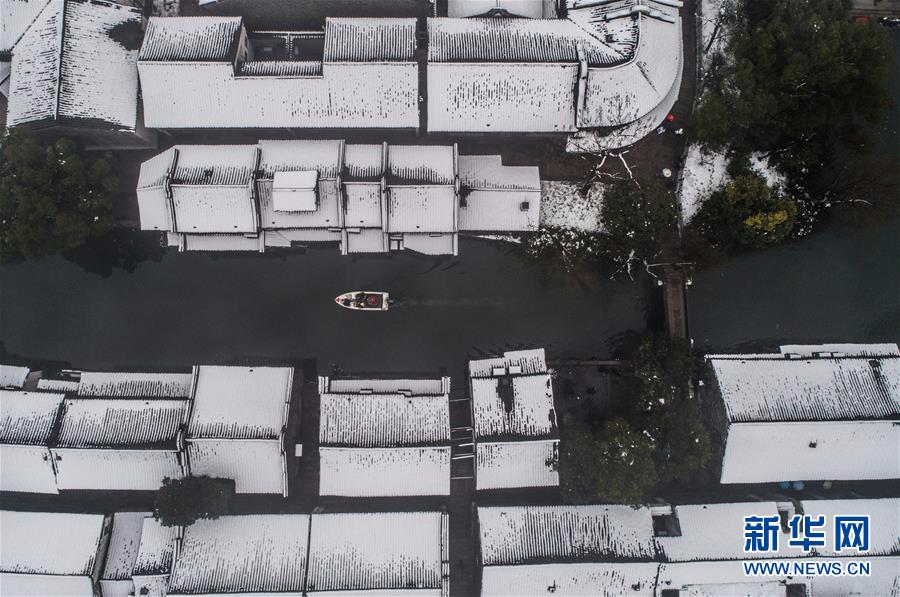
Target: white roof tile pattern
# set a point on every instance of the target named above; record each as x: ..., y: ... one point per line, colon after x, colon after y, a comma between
x: 55, y: 73
x: 58, y: 385
x: 487, y: 172
x: 13, y: 377
x: 530, y: 413
x: 537, y: 534
x: 41, y: 585
x: 323, y: 156
x: 843, y: 349
x: 817, y: 389
x: 242, y: 554
x: 811, y: 451
x: 240, y: 402
x: 227, y: 165
x: 135, y: 385
x: 383, y: 420
x: 122, y: 469
x: 884, y: 538
x: 424, y: 164
x: 219, y: 242
x: 715, y: 532
x: 15, y: 17
x: 112, y: 423
x: 28, y: 417
x: 374, y: 472
x: 326, y: 216
x: 431, y: 244
x: 194, y: 39
x: 633, y: 579
x: 257, y: 466
x: 366, y: 240
x: 414, y: 387
x: 421, y: 209
x: 503, y: 465
x: 531, y: 361
x: 123, y: 545
x: 375, y: 551
x: 26, y: 468
x: 364, y: 161
x: 209, y: 209
x: 500, y: 211
x: 369, y: 40
x: 719, y: 578
x: 154, y: 555
x: 49, y: 543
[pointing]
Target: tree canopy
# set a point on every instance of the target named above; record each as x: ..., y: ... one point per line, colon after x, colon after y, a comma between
x: 53, y: 196
x: 181, y: 502
x: 797, y: 79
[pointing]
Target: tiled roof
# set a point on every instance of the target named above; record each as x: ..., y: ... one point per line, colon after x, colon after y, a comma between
x: 376, y: 472
x: 290, y: 156
x: 28, y: 417
x: 421, y: 209
x: 635, y: 579
x: 135, y: 385
x: 375, y: 551
x: 421, y: 164
x: 242, y: 554
x: 191, y: 39
x: 111, y: 423
x: 13, y: 377
x: 27, y: 468
x: 363, y: 161
x: 240, y: 402
x: 383, y: 420
x: 256, y: 466
x: 515, y: 406
x: 817, y: 389
x: 487, y: 172
x: 154, y: 555
x: 884, y: 538
x: 123, y: 545
x: 15, y: 17
x: 114, y: 469
x: 531, y: 361
x: 227, y: 165
x: 50, y: 543
x: 810, y: 451
x: 369, y: 40
x: 55, y: 73
x: 503, y: 465
x: 412, y: 387
x: 539, y: 534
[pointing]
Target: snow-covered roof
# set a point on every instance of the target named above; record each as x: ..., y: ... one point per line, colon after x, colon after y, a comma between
x: 530, y: 361
x: 720, y: 578
x: 369, y: 39
x: 154, y: 555
x: 383, y: 420
x: 57, y: 385
x: 503, y: 465
x: 50, y: 542
x: 841, y: 349
x: 421, y: 164
x: 367, y: 79
x: 102, y: 469
x: 240, y: 402
x: 124, y: 543
x: 242, y: 554
x: 498, y: 197
x: 375, y: 472
x: 421, y: 209
x: 513, y: 406
x: 13, y: 377
x: 715, y: 532
x: 811, y: 451
x: 27, y: 468
x: 56, y: 73
x: 775, y: 388
x: 257, y: 466
x: 624, y: 579
x: 28, y: 417
x: 407, y: 387
x: 194, y: 39
x: 884, y: 514
x: 883, y: 580
x: 135, y: 385
x: 112, y: 423
x: 16, y: 16
x: 387, y: 551
x: 542, y: 534
x: 323, y: 156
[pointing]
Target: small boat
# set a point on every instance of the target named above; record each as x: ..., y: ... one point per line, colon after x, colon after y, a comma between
x: 364, y: 300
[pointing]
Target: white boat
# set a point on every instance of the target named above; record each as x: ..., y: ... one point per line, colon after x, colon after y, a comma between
x: 364, y: 300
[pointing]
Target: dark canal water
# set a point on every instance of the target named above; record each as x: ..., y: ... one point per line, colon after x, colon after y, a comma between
x: 191, y: 308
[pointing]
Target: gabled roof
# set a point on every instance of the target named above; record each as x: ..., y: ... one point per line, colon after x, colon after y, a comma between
x: 118, y: 423
x: 421, y: 165
x: 383, y: 420
x: 191, y: 39
x: 56, y: 73
x: 322, y: 156
x: 15, y: 18
x: 542, y: 534
x: 386, y: 551
x: 135, y: 385
x: 773, y: 388
x: 49, y: 542
x: 240, y: 402
x: 375, y: 472
x: 13, y: 377
x: 369, y: 40
x: 28, y: 417
x: 513, y: 406
x: 505, y: 465
x: 124, y: 543
x: 242, y: 554
x: 256, y: 466
x: 154, y: 556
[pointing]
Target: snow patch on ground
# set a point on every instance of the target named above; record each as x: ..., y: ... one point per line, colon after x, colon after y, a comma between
x: 760, y: 164
x: 564, y: 206
x: 704, y: 173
